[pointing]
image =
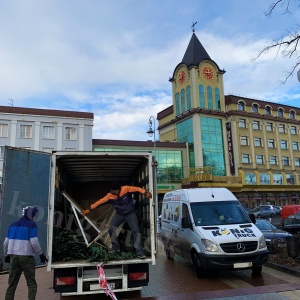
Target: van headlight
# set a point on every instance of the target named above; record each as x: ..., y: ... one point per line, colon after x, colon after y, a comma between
x: 210, y: 245
x: 262, y: 242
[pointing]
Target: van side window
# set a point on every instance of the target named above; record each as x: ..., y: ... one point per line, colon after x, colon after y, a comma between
x: 185, y: 211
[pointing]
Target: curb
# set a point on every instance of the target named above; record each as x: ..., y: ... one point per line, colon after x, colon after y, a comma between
x: 292, y: 271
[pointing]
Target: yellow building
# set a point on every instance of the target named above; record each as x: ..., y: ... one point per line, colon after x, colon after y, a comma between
x: 249, y: 146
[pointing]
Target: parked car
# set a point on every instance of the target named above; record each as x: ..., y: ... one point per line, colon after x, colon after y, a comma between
x: 278, y: 210
x: 272, y: 207
x: 275, y: 238
x: 263, y: 212
x: 291, y: 224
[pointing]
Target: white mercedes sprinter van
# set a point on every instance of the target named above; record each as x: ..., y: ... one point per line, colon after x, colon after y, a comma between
x: 210, y: 228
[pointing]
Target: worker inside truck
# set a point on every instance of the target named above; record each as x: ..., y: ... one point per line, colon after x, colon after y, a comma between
x: 120, y: 196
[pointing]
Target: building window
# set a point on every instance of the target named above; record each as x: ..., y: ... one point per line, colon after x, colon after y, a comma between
x: 3, y: 130
x: 2, y: 152
x: 244, y: 141
x: 295, y: 146
x: 293, y: 130
x: 297, y: 161
x: 209, y: 98
x: 269, y: 126
x: 257, y: 142
x: 217, y: 99
x: 48, y: 132
x: 259, y: 159
x: 285, y: 161
x: 71, y: 133
x: 245, y: 159
x: 267, y: 110
x: 271, y: 143
x: 292, y: 114
x: 201, y: 96
x: 283, y: 144
x: 242, y: 123
x: 182, y: 101
x: 26, y: 131
x: 241, y: 106
x: 255, y: 125
x: 273, y: 160
x: 281, y: 128
x: 177, y: 104
x: 188, y: 97
x: 255, y: 108
x: 280, y: 113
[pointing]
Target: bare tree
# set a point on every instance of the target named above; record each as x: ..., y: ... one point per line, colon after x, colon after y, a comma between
x: 287, y: 44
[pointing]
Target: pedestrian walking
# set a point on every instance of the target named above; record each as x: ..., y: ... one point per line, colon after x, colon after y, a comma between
x: 20, y: 246
x: 121, y: 199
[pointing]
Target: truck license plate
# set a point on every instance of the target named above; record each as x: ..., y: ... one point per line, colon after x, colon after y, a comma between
x: 242, y: 265
x: 95, y: 287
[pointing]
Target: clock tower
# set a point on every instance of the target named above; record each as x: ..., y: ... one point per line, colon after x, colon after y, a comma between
x: 198, y: 111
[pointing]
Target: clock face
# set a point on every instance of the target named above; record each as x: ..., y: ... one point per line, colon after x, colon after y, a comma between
x: 181, y: 77
x: 208, y: 73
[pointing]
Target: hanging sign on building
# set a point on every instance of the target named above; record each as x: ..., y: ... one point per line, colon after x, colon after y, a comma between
x: 230, y: 148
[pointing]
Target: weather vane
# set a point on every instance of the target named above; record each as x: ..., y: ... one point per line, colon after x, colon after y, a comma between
x: 193, y: 26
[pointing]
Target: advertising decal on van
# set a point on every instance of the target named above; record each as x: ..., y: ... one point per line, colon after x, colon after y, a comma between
x: 236, y: 232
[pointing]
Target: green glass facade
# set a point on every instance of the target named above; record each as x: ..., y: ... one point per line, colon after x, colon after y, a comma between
x: 170, y: 166
x: 185, y: 135
x: 212, y: 145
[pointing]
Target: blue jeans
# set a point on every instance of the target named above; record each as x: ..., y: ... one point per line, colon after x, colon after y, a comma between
x: 19, y: 264
x: 132, y: 221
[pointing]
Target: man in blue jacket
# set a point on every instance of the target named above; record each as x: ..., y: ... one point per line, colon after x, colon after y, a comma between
x: 20, y: 246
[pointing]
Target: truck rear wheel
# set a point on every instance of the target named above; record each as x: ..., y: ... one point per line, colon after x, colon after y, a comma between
x: 256, y: 271
x: 200, y: 271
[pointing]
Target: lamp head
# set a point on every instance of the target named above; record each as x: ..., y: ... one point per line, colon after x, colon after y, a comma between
x: 150, y: 132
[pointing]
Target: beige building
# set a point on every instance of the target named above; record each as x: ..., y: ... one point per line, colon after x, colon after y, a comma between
x: 247, y: 145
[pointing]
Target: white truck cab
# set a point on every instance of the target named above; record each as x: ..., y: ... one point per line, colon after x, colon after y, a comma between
x: 210, y: 228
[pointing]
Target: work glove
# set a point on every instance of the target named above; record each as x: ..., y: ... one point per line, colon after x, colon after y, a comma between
x: 43, y: 258
x: 148, y: 195
x: 7, y: 259
x: 85, y: 212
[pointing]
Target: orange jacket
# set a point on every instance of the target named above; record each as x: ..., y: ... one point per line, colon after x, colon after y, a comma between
x: 123, y: 203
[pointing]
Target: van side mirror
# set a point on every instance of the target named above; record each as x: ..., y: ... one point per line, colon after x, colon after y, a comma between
x: 185, y: 223
x: 252, y: 218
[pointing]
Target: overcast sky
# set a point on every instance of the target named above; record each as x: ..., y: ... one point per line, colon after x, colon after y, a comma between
x: 114, y: 58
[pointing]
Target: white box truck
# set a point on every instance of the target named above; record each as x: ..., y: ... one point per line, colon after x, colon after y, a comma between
x: 60, y: 184
x: 211, y: 229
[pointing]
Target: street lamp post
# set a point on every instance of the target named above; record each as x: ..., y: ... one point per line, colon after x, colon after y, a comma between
x: 151, y: 133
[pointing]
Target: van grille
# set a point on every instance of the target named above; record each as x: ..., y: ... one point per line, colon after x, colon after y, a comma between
x: 239, y: 247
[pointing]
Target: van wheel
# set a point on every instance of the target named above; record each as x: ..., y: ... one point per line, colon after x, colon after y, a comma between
x: 197, y: 263
x: 272, y: 215
x: 259, y: 216
x: 256, y: 271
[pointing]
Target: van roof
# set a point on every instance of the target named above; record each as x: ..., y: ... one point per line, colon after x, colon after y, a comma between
x: 203, y: 194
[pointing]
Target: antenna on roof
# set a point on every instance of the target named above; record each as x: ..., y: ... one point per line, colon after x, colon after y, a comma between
x: 193, y: 26
x: 11, y: 102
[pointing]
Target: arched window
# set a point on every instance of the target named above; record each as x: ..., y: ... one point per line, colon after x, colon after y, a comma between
x: 241, y: 105
x: 268, y: 110
x: 188, y: 97
x: 255, y: 108
x: 217, y: 99
x: 177, y: 104
x: 280, y: 112
x: 292, y: 114
x: 201, y: 96
x: 182, y: 101
x: 209, y: 98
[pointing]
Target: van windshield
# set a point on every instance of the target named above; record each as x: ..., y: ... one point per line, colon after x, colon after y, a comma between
x: 218, y: 213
